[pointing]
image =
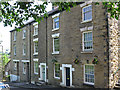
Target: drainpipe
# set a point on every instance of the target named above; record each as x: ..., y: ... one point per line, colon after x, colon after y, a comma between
x: 46, y: 51
x: 30, y: 56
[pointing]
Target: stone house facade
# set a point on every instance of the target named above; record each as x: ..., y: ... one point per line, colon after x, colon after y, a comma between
x: 75, y: 49
x: 20, y: 56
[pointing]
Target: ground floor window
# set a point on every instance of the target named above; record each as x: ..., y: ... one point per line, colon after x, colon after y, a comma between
x: 35, y: 67
x: 24, y: 68
x: 89, y: 74
x: 15, y: 65
x: 57, y: 70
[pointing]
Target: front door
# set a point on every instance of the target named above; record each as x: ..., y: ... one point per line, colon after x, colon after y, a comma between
x: 43, y: 72
x: 67, y: 76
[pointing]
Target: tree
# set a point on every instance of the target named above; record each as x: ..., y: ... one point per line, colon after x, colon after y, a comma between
x: 19, y: 12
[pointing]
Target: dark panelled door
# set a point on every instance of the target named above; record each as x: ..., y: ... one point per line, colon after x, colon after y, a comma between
x: 67, y: 76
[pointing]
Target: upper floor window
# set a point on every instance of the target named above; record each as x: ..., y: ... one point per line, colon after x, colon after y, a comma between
x: 87, y: 41
x: 56, y: 46
x: 56, y: 21
x: 36, y: 47
x: 14, y: 49
x: 57, y: 70
x: 87, y: 13
x: 24, y: 34
x: 36, y: 30
x: 89, y: 74
x: 24, y: 49
x: 15, y: 34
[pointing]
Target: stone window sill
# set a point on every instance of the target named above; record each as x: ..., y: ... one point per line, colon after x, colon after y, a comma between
x: 57, y: 77
x: 55, y: 29
x: 35, y: 35
x: 88, y: 84
x: 89, y: 52
x: 35, y: 73
x: 86, y: 21
x: 35, y: 54
x: 55, y: 53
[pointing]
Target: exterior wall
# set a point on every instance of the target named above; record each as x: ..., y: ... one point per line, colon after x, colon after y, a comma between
x: 34, y: 77
x: 113, y: 51
x: 71, y: 46
x: 42, y: 44
x: 19, y: 53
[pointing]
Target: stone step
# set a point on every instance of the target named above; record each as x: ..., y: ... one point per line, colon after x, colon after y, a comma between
x: 118, y: 84
x: 40, y: 83
x: 117, y: 87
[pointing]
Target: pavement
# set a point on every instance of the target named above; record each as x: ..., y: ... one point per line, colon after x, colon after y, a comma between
x: 30, y: 86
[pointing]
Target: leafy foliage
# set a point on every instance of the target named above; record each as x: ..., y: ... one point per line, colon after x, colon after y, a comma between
x: 19, y: 12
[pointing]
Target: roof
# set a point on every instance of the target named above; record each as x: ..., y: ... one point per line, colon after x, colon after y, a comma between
x: 54, y: 11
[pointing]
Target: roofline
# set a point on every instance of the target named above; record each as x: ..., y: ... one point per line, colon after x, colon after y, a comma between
x: 54, y: 11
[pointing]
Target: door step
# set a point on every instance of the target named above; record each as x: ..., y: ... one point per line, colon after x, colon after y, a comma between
x: 41, y: 83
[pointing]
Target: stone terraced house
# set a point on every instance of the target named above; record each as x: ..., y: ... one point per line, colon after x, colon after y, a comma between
x: 71, y: 49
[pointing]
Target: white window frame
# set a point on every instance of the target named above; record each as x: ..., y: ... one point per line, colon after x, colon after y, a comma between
x: 35, y: 67
x: 94, y: 75
x: 35, y: 31
x: 24, y: 49
x: 15, y: 65
x: 56, y: 36
x: 54, y: 72
x: 83, y: 15
x: 24, y: 34
x: 55, y: 16
x: 35, y: 53
x: 24, y: 68
x: 86, y: 50
x: 35, y: 40
x: 15, y: 35
x: 15, y: 50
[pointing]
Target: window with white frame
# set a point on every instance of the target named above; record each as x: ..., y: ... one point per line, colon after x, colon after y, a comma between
x: 36, y: 30
x: 15, y: 65
x: 15, y: 34
x: 36, y: 67
x: 56, y: 22
x: 24, y: 34
x: 57, y: 70
x: 87, y: 13
x: 24, y: 68
x: 35, y: 47
x: 56, y: 45
x: 14, y: 49
x: 89, y: 74
x: 87, y: 41
x: 24, y: 49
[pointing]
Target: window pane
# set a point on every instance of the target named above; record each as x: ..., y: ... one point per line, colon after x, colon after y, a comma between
x: 57, y: 70
x: 88, y: 44
x: 87, y: 12
x: 56, y: 44
x: 56, y: 22
x: 36, y: 67
x: 89, y: 73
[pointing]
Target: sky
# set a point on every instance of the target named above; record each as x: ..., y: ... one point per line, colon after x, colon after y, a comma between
x: 5, y: 34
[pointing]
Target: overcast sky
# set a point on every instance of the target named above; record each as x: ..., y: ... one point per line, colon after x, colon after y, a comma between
x: 5, y: 34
